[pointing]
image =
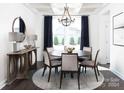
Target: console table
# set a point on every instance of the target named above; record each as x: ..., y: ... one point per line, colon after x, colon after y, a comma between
x: 19, y: 64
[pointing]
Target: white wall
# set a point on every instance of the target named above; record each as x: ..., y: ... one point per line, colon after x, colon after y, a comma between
x: 33, y: 25
x: 94, y: 33
x: 104, y: 35
x: 39, y: 21
x: 99, y: 34
x: 116, y: 52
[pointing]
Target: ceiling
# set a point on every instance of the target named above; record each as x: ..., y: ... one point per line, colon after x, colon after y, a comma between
x: 58, y: 8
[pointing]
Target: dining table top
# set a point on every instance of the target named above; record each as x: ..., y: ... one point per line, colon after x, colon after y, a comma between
x: 58, y: 53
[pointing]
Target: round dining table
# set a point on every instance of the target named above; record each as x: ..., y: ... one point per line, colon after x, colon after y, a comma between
x: 81, y: 53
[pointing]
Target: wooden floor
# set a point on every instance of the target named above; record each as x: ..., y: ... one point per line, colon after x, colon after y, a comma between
x: 111, y: 82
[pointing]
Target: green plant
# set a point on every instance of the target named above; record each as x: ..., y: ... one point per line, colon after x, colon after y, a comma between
x: 79, y: 40
x: 56, y: 42
x: 63, y: 41
x: 72, y: 41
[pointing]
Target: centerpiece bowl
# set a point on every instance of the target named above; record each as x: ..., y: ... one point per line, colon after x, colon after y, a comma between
x: 70, y: 50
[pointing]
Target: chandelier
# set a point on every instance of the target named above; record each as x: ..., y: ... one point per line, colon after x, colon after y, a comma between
x: 66, y: 19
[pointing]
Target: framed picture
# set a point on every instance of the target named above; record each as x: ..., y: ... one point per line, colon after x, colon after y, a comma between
x: 118, y: 29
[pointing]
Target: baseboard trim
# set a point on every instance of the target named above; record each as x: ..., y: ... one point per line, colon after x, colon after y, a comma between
x: 2, y: 84
x: 117, y: 73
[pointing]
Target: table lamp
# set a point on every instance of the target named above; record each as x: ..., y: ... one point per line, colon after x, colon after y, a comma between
x: 16, y: 37
x: 32, y: 38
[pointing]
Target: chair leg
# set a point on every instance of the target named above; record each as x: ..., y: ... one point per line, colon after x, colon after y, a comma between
x: 49, y: 74
x: 72, y: 75
x: 64, y: 75
x: 44, y: 70
x: 85, y: 69
x: 98, y: 70
x: 61, y: 79
x: 95, y: 74
x: 78, y: 79
x: 56, y: 69
x: 82, y: 68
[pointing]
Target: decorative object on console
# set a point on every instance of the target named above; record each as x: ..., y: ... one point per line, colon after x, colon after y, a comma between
x: 31, y: 39
x: 28, y: 46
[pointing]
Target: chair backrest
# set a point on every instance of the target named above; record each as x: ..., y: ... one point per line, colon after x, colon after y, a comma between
x: 46, y: 58
x: 69, y: 62
x: 49, y: 49
x: 95, y: 63
x: 88, y: 49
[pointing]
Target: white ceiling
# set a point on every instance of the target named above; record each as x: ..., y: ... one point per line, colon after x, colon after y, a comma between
x: 58, y: 8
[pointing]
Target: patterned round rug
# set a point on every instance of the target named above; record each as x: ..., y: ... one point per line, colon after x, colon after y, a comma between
x: 87, y: 81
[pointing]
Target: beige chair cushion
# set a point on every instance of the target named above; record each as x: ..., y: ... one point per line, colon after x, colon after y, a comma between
x: 56, y: 63
x: 87, y: 63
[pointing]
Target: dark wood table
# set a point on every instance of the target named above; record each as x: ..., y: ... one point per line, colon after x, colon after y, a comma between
x: 80, y: 53
x: 19, y: 64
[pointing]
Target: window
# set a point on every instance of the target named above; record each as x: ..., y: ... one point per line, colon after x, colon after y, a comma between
x: 66, y: 36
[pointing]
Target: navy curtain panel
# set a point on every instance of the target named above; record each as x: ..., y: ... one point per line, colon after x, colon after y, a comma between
x: 84, y: 32
x: 48, y: 42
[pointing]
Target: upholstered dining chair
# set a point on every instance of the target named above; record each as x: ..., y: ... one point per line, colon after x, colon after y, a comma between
x: 50, y: 49
x: 88, y: 49
x: 93, y: 64
x: 49, y: 63
x: 87, y: 57
x: 70, y: 64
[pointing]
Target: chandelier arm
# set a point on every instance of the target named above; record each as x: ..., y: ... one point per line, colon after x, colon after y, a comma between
x: 70, y: 16
x: 68, y: 13
x: 64, y: 12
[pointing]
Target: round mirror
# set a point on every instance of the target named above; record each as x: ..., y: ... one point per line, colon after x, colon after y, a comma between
x: 18, y: 25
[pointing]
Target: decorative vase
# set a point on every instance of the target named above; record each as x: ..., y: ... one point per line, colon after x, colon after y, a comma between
x: 69, y: 51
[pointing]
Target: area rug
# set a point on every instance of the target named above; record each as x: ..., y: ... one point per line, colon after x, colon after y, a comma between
x: 87, y: 81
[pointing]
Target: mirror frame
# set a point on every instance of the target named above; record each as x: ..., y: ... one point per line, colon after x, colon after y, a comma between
x: 24, y: 27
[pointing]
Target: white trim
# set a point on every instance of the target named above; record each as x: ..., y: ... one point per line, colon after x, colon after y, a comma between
x: 117, y: 73
x: 2, y: 84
